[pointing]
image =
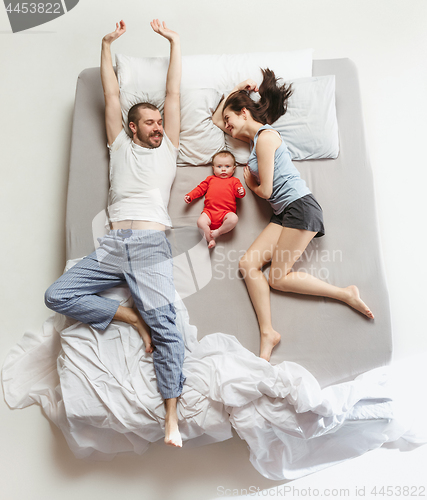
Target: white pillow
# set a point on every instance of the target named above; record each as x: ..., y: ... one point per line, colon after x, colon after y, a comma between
x: 309, y: 127
x: 200, y: 139
x: 220, y: 72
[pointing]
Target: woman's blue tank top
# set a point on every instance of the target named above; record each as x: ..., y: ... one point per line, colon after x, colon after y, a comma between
x: 287, y: 183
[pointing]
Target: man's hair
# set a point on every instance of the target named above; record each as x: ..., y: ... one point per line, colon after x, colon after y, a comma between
x: 223, y: 152
x: 133, y: 115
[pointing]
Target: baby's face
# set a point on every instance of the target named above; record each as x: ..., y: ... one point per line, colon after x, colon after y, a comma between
x: 223, y: 166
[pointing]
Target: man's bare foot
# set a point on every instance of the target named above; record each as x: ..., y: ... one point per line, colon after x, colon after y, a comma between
x: 268, y: 341
x: 143, y: 330
x: 354, y: 300
x: 213, y: 235
x: 172, y: 434
x: 131, y: 316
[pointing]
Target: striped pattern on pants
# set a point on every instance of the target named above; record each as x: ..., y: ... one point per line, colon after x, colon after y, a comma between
x: 142, y: 259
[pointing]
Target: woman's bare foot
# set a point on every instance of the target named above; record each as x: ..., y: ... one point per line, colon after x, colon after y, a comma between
x: 353, y: 299
x: 268, y: 341
x: 172, y: 434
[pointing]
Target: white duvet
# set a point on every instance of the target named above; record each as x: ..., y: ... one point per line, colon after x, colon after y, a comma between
x: 100, y: 389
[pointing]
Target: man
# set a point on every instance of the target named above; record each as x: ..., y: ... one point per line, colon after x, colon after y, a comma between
x: 136, y: 250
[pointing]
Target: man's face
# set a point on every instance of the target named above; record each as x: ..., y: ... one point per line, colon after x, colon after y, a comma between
x: 149, y: 129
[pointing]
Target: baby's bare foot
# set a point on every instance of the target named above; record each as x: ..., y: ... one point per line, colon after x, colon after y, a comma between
x: 268, y: 341
x: 354, y: 300
x: 213, y: 235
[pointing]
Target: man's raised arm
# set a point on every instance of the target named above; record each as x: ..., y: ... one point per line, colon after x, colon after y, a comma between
x: 172, y: 111
x: 113, y: 114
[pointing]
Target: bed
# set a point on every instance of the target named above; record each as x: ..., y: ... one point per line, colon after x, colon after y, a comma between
x: 332, y: 341
x: 323, y: 398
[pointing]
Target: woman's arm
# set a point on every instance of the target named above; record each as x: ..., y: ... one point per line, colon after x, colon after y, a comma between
x: 266, y: 147
x: 217, y: 118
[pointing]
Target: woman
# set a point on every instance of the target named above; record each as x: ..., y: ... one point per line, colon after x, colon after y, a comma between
x: 297, y: 217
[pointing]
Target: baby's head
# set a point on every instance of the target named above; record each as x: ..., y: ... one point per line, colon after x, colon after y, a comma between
x: 223, y: 164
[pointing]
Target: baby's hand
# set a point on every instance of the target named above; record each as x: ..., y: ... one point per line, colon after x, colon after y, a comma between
x: 187, y: 199
x: 241, y: 191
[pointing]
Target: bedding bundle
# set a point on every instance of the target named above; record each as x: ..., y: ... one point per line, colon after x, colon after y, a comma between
x: 100, y: 389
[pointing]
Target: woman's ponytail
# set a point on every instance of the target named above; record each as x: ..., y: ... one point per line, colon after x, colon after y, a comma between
x: 274, y: 98
x: 273, y: 101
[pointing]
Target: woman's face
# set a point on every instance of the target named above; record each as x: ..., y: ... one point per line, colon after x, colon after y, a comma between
x: 233, y: 122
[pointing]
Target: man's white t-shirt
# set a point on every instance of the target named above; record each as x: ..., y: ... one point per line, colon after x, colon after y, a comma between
x: 141, y: 180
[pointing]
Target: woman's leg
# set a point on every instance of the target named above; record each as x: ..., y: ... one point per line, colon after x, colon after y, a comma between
x: 258, y: 254
x: 290, y: 246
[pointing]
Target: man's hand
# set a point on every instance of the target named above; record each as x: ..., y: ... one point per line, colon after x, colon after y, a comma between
x: 187, y: 199
x: 120, y: 29
x: 163, y: 30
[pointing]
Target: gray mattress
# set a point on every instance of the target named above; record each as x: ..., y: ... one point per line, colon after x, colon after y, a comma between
x: 328, y: 338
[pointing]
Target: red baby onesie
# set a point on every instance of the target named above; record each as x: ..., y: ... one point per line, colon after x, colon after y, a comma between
x: 220, y: 197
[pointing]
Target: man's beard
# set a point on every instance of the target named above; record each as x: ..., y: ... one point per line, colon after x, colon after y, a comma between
x: 146, y: 140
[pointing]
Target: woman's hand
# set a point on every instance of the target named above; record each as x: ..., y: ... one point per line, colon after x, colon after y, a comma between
x: 120, y: 30
x: 249, y: 179
x: 161, y: 29
x: 249, y: 85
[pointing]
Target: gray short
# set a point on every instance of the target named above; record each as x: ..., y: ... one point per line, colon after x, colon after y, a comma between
x: 304, y: 213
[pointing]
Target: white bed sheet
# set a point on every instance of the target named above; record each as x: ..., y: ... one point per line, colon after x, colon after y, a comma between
x: 100, y: 390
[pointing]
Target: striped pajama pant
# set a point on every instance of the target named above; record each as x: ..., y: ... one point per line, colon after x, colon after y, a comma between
x: 142, y: 259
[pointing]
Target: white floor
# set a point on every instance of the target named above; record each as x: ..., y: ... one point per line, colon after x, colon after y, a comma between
x: 386, y: 39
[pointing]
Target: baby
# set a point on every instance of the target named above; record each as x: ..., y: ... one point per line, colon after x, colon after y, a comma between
x: 219, y: 213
